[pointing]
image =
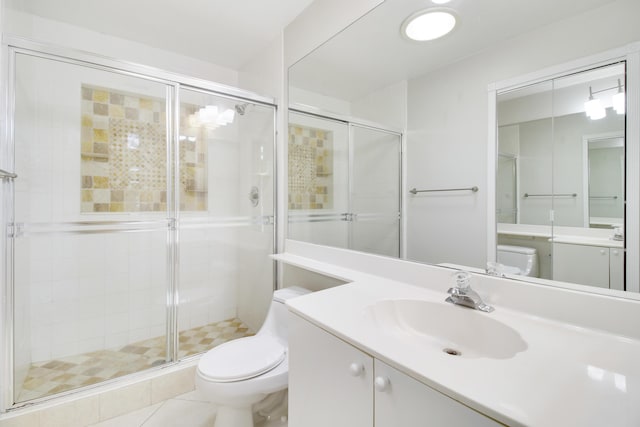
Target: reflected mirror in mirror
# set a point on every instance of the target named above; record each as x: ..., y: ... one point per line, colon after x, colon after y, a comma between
x: 560, y: 186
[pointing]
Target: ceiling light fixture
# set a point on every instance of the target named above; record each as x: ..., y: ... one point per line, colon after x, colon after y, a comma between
x: 428, y: 24
x: 440, y: 1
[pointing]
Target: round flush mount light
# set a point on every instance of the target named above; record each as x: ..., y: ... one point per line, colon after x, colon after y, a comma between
x: 428, y: 24
x: 440, y: 1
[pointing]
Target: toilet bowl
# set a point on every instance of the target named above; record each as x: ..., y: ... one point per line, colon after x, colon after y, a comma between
x: 518, y: 260
x: 240, y: 373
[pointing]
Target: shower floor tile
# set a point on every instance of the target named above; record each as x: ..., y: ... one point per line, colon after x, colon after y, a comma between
x: 63, y: 374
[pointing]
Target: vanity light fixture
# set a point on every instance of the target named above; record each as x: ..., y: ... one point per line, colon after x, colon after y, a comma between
x: 619, y: 100
x: 428, y: 24
x: 594, y: 109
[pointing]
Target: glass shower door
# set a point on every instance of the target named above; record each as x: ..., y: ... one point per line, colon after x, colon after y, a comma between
x: 89, y: 229
x: 375, y: 192
x: 225, y: 204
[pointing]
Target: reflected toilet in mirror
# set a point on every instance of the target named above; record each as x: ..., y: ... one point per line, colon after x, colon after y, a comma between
x: 518, y: 260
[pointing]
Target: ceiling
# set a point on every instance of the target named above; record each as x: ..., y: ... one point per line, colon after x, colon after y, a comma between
x: 224, y: 32
x: 372, y: 54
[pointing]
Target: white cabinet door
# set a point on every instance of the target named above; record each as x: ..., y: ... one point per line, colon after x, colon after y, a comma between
x: 586, y: 265
x: 616, y: 269
x: 330, y: 381
x: 403, y: 401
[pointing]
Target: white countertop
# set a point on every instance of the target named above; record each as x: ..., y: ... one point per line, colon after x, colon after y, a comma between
x: 567, y: 376
x: 569, y: 235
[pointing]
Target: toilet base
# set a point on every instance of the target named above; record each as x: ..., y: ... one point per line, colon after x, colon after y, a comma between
x: 234, y: 417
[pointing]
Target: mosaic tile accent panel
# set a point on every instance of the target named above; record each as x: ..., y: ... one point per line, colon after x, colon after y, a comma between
x: 123, y: 152
x: 310, y: 168
x: 55, y: 376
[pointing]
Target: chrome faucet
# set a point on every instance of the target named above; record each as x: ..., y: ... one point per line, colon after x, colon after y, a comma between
x: 462, y: 294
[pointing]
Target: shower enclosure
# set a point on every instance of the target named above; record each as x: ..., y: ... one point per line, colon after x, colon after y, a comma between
x: 139, y: 223
x: 344, y: 184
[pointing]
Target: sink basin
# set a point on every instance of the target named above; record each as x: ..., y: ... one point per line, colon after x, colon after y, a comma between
x: 452, y: 330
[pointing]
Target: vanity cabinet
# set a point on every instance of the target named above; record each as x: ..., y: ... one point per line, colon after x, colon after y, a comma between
x: 599, y: 266
x: 332, y: 383
x: 616, y: 269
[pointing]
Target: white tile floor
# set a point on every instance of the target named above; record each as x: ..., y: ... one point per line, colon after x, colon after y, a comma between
x: 188, y: 409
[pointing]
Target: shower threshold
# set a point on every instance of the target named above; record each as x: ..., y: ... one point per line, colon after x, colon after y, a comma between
x: 49, y: 377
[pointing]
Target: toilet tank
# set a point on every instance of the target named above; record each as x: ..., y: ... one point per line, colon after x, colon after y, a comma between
x: 524, y: 258
x: 276, y: 322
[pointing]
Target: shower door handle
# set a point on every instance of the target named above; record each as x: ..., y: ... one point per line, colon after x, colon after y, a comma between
x: 7, y: 175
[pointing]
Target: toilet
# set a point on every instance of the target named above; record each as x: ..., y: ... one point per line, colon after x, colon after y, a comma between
x: 518, y: 260
x: 240, y: 373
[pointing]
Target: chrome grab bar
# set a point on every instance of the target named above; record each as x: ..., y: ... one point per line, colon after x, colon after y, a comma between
x: 415, y: 191
x: 604, y: 197
x: 8, y: 175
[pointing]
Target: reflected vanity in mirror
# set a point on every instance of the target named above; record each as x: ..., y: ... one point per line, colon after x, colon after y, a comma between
x: 558, y: 182
x: 560, y: 187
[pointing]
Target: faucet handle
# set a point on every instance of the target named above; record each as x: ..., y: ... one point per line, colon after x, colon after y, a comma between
x: 463, y: 279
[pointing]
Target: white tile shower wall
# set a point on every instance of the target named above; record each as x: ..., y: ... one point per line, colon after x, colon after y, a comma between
x: 255, y: 284
x: 208, y: 260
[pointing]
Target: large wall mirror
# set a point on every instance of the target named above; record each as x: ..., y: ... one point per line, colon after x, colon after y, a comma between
x: 546, y: 183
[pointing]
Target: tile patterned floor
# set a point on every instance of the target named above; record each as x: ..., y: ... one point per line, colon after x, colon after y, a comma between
x: 54, y: 376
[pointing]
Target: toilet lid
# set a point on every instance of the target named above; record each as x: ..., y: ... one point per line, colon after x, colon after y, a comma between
x: 242, y: 359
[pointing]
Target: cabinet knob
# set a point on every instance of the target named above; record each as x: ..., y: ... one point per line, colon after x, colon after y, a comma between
x: 356, y: 369
x: 382, y: 383
x: 615, y: 252
x: 602, y: 251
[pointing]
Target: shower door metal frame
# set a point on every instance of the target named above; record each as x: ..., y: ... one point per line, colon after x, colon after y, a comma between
x: 12, y: 46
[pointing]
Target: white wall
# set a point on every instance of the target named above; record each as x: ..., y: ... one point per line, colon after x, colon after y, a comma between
x: 447, y: 130
x: 263, y: 74
x: 386, y: 106
x: 62, y: 34
x: 317, y: 23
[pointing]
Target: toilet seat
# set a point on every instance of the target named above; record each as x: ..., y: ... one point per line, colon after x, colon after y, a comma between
x: 242, y: 359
